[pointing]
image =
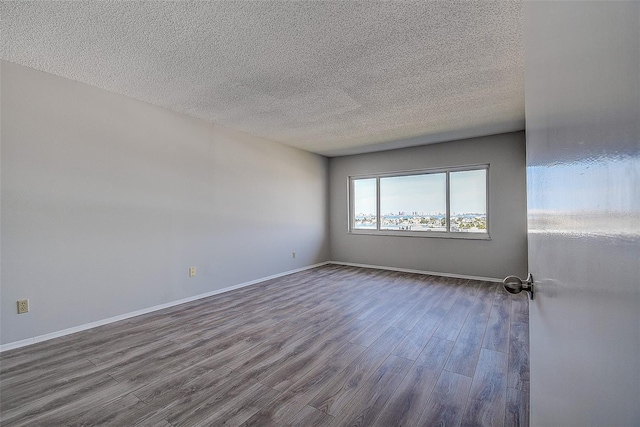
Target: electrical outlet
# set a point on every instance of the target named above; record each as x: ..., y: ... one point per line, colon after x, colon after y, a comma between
x: 293, y: 255
x: 23, y: 306
x: 192, y: 272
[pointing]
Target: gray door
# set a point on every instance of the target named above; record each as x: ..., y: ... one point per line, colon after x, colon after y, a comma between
x: 583, y: 187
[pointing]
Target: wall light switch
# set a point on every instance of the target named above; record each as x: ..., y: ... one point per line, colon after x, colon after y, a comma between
x: 192, y: 272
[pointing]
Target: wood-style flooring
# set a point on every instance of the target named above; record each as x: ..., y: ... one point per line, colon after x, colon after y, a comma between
x: 330, y: 346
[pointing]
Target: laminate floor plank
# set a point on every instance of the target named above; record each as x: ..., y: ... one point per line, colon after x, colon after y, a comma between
x: 144, y: 371
x: 196, y: 407
x: 286, y: 363
x: 396, y: 312
x: 487, y: 398
x: 309, y: 417
x: 517, y: 408
x: 332, y: 345
x: 185, y: 391
x: 25, y: 370
x: 286, y: 407
x: 127, y: 410
x: 88, y: 395
x: 167, y: 383
x: 377, y: 307
x: 262, y: 367
x: 408, y: 402
x: 497, y: 335
x: 369, y: 401
x: 295, y: 368
x: 36, y: 372
x: 280, y: 341
x: 13, y: 403
x: 452, y: 290
x: 448, y: 401
x: 46, y: 383
x: 233, y: 326
x: 119, y: 349
x: 425, y: 300
x: 464, y: 355
x: 369, y: 334
x: 338, y: 392
x: 452, y: 323
x: 410, y: 398
x: 235, y: 411
x: 484, y: 299
x: 21, y: 362
x: 129, y: 355
x: 519, y: 356
x: 520, y: 308
x: 435, y: 354
x: 421, y: 333
x: 217, y: 355
x: 406, y: 302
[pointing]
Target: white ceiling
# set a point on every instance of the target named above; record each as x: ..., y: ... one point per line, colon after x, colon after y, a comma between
x: 328, y: 77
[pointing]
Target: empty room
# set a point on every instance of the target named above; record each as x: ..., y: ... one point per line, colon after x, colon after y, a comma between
x: 327, y: 213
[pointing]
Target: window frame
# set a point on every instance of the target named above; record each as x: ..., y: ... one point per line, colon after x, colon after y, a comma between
x: 408, y: 233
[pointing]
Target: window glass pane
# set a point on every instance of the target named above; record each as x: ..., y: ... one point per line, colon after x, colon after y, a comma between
x: 364, y: 203
x: 468, y: 200
x: 415, y: 202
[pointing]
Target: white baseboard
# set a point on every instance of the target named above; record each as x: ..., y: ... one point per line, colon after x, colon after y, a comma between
x: 408, y: 270
x: 57, y: 334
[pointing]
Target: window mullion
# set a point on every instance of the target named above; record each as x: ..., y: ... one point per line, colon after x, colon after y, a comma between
x: 378, y: 203
x: 448, y: 214
x: 351, y: 205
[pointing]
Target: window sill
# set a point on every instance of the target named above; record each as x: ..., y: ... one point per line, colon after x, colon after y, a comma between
x: 420, y: 234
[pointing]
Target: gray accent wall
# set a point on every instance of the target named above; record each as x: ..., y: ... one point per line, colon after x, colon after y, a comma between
x: 106, y: 202
x: 504, y: 254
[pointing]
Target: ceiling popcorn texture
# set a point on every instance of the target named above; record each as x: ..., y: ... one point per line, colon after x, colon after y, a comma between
x: 328, y: 77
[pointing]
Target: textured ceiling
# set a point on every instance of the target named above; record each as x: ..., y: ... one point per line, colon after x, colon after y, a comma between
x: 328, y: 77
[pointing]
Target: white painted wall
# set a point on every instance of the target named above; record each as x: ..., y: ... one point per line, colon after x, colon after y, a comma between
x: 504, y: 254
x: 583, y: 174
x: 106, y: 202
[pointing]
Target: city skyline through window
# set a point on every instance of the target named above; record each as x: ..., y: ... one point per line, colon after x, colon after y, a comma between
x: 414, y: 193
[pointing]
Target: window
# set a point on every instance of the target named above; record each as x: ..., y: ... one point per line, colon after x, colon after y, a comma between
x: 441, y: 203
x: 365, y: 202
